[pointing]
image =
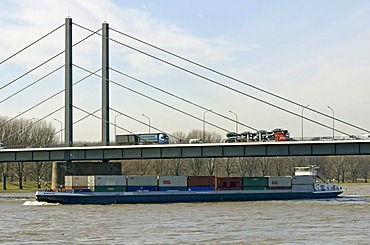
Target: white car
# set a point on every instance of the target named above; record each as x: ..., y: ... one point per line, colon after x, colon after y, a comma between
x: 2, y: 146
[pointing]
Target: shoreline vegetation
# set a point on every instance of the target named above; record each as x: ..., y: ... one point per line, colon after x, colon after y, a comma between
x: 31, y: 186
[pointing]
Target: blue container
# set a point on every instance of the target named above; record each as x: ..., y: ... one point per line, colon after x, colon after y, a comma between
x: 201, y: 188
x: 81, y: 190
x: 141, y: 188
x: 173, y: 188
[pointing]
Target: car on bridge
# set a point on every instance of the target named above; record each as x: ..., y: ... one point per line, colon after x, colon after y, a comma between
x: 2, y: 146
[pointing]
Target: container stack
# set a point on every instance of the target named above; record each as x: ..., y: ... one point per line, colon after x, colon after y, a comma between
x: 142, y: 183
x: 172, y: 183
x: 75, y: 182
x: 303, y: 183
x: 107, y: 183
x: 255, y: 183
x: 280, y: 182
x: 229, y: 183
x: 201, y: 183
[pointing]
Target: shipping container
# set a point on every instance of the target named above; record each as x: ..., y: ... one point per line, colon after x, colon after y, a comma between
x: 78, y: 190
x: 140, y: 180
x: 176, y: 181
x: 254, y: 187
x: 279, y: 182
x: 302, y: 188
x: 106, y: 180
x: 201, y: 188
x: 109, y: 188
x: 142, y: 188
x: 201, y: 181
x: 255, y: 181
x: 74, y: 181
x: 303, y: 180
x: 77, y: 187
x: 229, y: 183
x: 172, y: 188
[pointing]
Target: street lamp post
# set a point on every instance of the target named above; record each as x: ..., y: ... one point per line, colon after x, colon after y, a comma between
x: 115, y: 124
x: 236, y: 120
x: 61, y: 129
x: 204, y: 124
x: 148, y: 120
x: 333, y: 119
x: 302, y: 118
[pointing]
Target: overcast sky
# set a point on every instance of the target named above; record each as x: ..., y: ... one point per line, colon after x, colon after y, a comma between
x: 314, y: 53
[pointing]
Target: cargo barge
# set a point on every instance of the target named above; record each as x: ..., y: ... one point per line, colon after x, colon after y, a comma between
x: 171, y: 189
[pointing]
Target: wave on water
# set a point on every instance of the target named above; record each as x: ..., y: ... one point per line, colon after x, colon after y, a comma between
x: 36, y: 203
x: 16, y: 198
x: 353, y: 198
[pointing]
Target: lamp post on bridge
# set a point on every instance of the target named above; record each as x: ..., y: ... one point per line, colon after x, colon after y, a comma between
x: 148, y: 120
x: 61, y: 129
x: 333, y: 119
x: 204, y: 124
x: 236, y: 120
x: 115, y: 125
x: 302, y: 118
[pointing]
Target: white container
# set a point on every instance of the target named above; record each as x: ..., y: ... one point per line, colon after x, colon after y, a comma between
x: 106, y: 180
x: 303, y: 180
x: 170, y: 181
x: 139, y: 180
x: 302, y: 188
x: 75, y: 181
x: 279, y: 182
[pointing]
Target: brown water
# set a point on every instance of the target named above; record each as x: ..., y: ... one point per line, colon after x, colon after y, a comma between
x: 344, y: 220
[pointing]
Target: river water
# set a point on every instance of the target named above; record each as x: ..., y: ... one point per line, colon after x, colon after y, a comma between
x: 344, y: 220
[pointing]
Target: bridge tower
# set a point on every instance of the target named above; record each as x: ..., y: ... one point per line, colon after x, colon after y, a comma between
x: 105, y: 84
x: 68, y: 113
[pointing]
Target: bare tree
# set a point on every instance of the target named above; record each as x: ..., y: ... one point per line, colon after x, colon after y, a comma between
x: 175, y: 166
x: 339, y: 168
x: 159, y: 166
x: 278, y: 165
x: 5, y: 169
x: 365, y: 167
x: 178, y: 138
x: 196, y: 165
x: 264, y: 164
x: 228, y: 164
x: 354, y: 166
x: 142, y: 166
x: 19, y: 171
x: 38, y: 171
x: 211, y: 164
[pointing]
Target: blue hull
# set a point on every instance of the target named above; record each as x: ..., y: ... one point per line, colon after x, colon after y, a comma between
x: 177, y: 196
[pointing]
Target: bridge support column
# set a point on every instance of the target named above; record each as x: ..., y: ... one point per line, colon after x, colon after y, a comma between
x: 61, y: 169
x: 57, y: 175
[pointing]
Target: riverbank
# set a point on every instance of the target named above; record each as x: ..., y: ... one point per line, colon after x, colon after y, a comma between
x: 13, y: 187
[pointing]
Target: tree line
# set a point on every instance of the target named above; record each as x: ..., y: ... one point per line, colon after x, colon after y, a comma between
x: 22, y: 133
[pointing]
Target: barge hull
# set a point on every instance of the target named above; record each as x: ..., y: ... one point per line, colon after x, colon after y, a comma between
x: 174, y: 197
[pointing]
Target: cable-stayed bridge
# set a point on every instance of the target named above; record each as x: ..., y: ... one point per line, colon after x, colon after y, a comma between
x: 70, y: 153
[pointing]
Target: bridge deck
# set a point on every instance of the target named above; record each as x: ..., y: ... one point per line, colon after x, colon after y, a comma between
x: 259, y: 149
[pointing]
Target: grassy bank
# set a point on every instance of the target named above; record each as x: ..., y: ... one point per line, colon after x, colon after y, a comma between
x: 14, y: 186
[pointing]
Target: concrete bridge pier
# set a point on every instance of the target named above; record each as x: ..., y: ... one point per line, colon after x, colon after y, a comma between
x: 61, y: 169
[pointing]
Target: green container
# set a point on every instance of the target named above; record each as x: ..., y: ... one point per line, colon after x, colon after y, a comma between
x: 255, y: 181
x: 254, y: 188
x: 109, y: 188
